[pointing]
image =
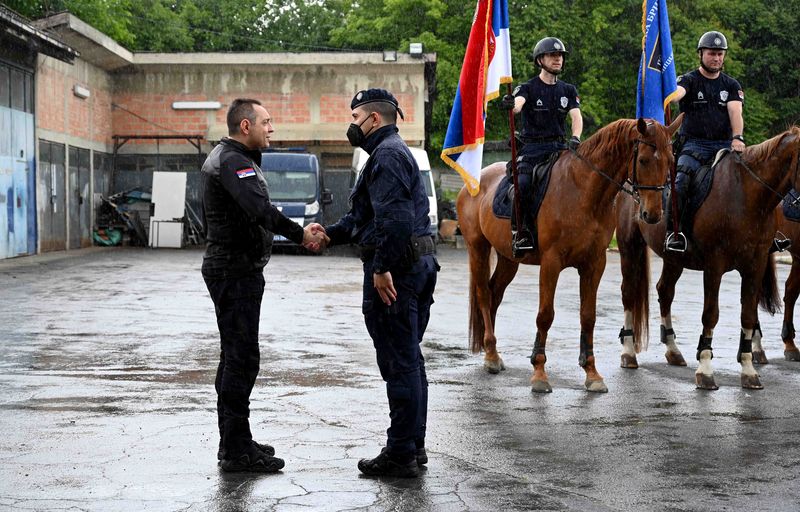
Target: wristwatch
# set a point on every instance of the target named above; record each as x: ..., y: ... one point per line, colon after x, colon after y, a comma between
x: 739, y: 137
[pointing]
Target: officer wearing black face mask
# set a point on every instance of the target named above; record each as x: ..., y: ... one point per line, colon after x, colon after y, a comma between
x: 389, y: 220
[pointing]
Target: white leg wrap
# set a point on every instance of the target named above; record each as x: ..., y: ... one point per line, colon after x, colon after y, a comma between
x: 705, y: 363
x: 627, y: 341
x: 747, y: 365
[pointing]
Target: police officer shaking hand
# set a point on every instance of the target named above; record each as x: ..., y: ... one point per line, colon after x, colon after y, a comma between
x: 389, y: 221
x: 239, y: 222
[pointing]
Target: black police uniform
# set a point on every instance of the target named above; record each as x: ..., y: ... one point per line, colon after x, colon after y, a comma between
x: 239, y: 223
x: 706, y: 126
x: 544, y: 117
x: 389, y: 214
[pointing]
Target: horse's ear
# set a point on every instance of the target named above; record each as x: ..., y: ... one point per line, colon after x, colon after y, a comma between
x: 641, y: 125
x: 675, y: 124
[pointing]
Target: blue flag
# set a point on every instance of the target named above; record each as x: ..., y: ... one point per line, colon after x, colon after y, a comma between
x: 657, y: 83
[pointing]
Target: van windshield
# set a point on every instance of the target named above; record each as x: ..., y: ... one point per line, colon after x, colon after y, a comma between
x: 291, y: 186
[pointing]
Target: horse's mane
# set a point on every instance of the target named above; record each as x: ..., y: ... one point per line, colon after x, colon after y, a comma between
x: 767, y: 149
x: 610, y: 140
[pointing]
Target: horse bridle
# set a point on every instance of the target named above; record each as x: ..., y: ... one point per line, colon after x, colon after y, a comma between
x: 632, y: 178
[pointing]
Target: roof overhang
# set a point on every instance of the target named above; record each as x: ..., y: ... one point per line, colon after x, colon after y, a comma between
x: 94, y: 46
x: 18, y: 27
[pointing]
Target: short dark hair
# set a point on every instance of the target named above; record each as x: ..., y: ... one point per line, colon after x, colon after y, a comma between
x: 386, y: 110
x: 241, y: 108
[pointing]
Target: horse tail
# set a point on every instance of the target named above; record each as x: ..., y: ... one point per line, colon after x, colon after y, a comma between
x: 640, y: 287
x: 769, y: 298
x: 476, y: 327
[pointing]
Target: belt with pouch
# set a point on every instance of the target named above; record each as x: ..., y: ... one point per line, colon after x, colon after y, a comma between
x: 418, y: 246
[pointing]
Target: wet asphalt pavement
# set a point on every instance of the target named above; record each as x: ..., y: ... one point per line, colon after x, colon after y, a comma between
x: 107, y: 361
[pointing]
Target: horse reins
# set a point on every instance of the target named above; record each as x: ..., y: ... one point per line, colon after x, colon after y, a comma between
x: 795, y: 200
x: 633, y: 180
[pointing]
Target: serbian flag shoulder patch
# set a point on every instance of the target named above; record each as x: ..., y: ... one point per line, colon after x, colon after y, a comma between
x: 244, y: 173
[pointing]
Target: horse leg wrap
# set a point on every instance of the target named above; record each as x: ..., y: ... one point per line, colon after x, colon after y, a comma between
x: 666, y: 332
x: 745, y: 346
x: 583, y: 358
x: 704, y: 344
x: 624, y: 333
x: 538, y: 348
x: 787, y: 332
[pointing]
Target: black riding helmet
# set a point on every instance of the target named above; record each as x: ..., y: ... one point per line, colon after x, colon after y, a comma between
x: 548, y: 45
x: 712, y: 40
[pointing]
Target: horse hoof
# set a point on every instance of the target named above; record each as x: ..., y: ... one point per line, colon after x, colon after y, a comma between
x: 675, y: 359
x: 629, y: 361
x: 541, y: 386
x: 705, y: 382
x: 596, y: 386
x: 791, y: 355
x: 760, y: 357
x: 494, y: 367
x: 751, y: 382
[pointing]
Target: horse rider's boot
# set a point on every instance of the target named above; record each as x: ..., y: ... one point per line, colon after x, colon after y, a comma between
x: 675, y: 242
x: 521, y: 242
x: 780, y: 245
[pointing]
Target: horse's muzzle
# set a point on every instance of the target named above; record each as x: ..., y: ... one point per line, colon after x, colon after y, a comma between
x: 649, y: 217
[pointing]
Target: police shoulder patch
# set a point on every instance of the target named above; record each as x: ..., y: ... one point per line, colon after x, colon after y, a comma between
x: 516, y: 90
x: 741, y: 94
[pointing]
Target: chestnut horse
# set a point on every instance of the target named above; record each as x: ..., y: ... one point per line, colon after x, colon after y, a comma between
x: 791, y: 230
x: 733, y: 230
x: 575, y: 223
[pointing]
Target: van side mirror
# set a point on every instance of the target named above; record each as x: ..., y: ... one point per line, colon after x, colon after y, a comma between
x: 327, y: 196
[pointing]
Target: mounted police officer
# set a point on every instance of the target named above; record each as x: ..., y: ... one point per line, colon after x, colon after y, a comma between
x: 389, y: 220
x: 712, y: 105
x: 239, y: 223
x: 545, y: 101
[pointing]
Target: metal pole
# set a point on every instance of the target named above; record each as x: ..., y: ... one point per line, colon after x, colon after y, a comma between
x: 672, y: 173
x: 514, y: 173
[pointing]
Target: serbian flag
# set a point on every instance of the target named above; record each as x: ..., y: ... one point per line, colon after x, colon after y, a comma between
x: 487, y: 64
x: 657, y: 83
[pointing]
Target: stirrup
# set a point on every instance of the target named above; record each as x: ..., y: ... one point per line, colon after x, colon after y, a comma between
x: 675, y: 242
x: 522, y: 241
x: 780, y: 245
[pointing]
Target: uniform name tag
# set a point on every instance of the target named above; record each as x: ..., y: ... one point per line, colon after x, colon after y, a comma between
x: 244, y: 173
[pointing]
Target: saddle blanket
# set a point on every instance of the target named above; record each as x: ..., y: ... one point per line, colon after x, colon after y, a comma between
x: 504, y: 195
x: 790, y: 210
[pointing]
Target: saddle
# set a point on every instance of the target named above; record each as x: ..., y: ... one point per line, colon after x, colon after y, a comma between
x: 699, y: 186
x: 502, y: 205
x: 791, y: 210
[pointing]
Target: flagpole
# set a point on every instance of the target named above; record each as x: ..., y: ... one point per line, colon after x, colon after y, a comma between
x: 514, y: 173
x: 672, y: 175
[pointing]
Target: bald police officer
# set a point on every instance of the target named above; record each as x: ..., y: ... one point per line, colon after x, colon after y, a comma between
x: 389, y: 220
x: 239, y: 223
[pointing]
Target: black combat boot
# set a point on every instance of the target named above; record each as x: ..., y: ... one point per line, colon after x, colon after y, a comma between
x: 386, y: 465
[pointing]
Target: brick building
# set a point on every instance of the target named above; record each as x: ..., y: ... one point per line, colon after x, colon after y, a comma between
x: 107, y: 118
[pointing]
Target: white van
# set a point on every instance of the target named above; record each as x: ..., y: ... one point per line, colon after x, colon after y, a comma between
x: 360, y: 159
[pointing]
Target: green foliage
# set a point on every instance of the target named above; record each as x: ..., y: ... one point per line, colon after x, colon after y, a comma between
x: 603, y: 36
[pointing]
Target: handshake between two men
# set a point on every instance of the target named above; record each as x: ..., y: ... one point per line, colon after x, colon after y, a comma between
x: 314, y: 237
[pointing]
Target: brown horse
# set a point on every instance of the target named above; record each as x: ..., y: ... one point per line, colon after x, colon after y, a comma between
x: 733, y: 230
x: 791, y: 230
x: 575, y: 224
